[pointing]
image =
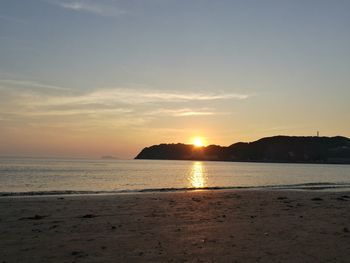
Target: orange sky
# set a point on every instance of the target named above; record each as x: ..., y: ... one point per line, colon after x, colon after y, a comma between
x: 111, y: 77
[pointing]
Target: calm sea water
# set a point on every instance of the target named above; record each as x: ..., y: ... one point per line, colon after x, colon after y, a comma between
x: 45, y: 176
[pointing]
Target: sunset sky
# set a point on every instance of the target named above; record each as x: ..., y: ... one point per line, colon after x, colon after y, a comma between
x: 109, y: 77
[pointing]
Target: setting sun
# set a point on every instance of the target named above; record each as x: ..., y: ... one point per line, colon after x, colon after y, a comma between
x: 198, y: 142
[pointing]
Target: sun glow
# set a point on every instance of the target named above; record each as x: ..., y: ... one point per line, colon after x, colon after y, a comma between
x: 198, y: 142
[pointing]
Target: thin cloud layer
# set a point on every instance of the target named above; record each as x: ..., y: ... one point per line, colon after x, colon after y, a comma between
x: 24, y: 101
x: 27, y: 84
x: 182, y: 112
x: 96, y: 7
x: 137, y: 96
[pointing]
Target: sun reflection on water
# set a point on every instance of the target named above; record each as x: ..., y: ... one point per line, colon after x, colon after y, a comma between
x: 197, y: 178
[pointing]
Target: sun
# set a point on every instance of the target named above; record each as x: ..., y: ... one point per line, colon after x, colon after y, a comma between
x: 198, y: 142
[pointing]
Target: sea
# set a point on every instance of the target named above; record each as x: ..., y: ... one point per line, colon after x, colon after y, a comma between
x: 34, y: 176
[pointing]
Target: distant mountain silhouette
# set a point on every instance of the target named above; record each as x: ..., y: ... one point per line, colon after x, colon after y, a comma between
x: 291, y: 149
x: 109, y: 157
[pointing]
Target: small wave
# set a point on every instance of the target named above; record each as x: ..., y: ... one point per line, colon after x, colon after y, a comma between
x: 304, y: 186
x: 42, y: 193
x: 314, y: 186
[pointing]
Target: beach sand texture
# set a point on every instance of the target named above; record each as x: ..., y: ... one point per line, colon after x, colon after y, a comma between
x: 194, y: 226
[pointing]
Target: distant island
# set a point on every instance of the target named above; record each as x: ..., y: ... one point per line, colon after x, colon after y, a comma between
x: 277, y: 149
x: 109, y: 157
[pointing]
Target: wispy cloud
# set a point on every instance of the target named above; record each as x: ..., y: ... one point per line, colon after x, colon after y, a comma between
x: 182, y: 112
x: 93, y: 7
x: 71, y: 112
x: 193, y: 96
x: 28, y: 84
x: 35, y: 103
x: 138, y: 96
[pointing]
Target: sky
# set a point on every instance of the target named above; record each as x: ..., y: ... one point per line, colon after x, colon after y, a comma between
x: 86, y: 78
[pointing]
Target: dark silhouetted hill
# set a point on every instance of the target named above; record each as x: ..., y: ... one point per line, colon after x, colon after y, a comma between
x: 291, y: 149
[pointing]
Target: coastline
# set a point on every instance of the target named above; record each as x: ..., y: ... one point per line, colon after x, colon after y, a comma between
x: 241, y: 225
x: 321, y: 186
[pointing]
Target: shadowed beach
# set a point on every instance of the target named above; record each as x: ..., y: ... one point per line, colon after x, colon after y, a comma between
x: 193, y: 226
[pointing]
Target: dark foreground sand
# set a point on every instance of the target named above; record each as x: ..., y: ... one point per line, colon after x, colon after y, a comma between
x: 203, y: 226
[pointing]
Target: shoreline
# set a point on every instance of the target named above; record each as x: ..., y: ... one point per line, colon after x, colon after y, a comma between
x: 197, y: 226
x: 322, y: 187
x: 241, y: 161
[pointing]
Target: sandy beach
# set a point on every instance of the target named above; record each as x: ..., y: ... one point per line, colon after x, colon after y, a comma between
x: 197, y: 226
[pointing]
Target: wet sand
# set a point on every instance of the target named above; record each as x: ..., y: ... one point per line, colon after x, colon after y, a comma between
x: 199, y: 226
